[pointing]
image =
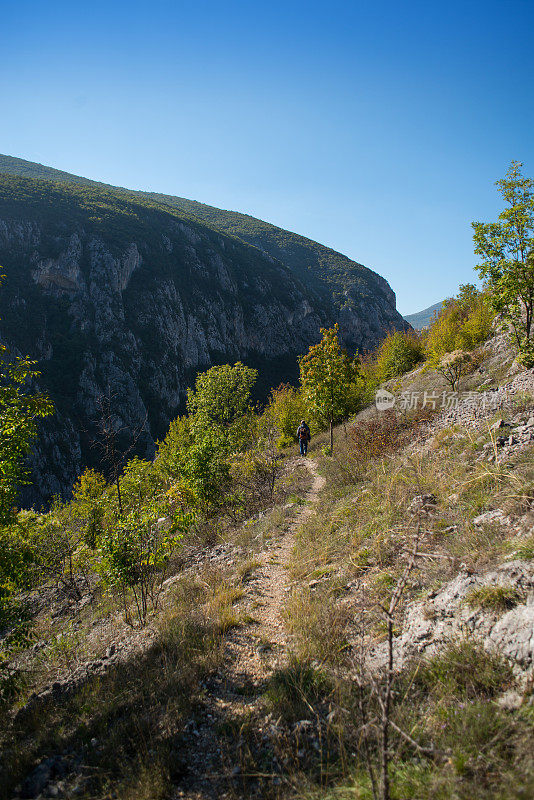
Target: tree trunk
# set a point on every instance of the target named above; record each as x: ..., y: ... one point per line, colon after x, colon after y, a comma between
x: 384, y: 788
x: 117, y: 481
x: 331, y: 435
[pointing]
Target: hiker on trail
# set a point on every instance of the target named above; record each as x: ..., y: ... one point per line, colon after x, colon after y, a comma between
x: 304, y: 436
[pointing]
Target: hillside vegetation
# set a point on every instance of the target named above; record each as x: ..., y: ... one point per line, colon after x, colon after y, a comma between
x: 116, y: 292
x: 327, y: 271
x: 232, y: 619
x: 215, y: 622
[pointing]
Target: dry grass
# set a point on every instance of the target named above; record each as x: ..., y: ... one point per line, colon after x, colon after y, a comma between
x: 293, y: 690
x: 318, y: 626
x: 494, y: 598
x: 215, y: 592
x: 303, y: 737
x: 246, y: 569
x: 360, y: 538
x: 126, y: 725
x: 446, y: 702
x: 524, y: 549
x: 364, y: 527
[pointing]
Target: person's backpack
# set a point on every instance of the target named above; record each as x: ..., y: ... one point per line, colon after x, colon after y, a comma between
x: 304, y: 432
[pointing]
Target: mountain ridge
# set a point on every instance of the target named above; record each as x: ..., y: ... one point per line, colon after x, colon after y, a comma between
x: 421, y: 319
x: 232, y: 223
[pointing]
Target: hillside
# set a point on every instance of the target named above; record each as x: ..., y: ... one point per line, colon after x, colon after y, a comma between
x: 109, y: 288
x: 263, y: 670
x: 421, y: 319
x: 358, y: 294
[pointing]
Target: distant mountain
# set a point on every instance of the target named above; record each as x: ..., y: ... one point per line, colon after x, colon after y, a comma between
x: 423, y: 318
x: 137, y: 292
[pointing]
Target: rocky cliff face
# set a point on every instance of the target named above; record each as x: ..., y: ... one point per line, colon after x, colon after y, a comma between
x: 133, y: 302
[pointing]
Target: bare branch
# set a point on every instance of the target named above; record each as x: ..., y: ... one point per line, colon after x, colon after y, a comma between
x: 428, y: 751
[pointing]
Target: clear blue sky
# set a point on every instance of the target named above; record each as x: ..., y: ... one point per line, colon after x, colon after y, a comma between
x: 377, y: 128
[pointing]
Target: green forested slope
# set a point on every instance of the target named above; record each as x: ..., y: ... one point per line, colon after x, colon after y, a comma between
x: 326, y: 270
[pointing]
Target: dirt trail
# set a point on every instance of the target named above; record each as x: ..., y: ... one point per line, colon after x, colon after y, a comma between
x: 252, y: 653
x: 272, y: 580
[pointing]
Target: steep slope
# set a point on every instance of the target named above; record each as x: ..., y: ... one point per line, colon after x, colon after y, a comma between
x: 111, y: 294
x: 361, y: 301
x: 118, y: 291
x: 257, y: 675
x: 353, y: 287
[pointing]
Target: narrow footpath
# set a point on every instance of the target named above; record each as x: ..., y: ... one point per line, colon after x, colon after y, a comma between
x: 252, y: 653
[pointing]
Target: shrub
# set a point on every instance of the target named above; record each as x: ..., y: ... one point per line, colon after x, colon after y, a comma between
x: 171, y: 449
x: 61, y: 554
x: 221, y: 398
x: 17, y: 557
x: 453, y: 366
x: 141, y: 483
x: 220, y: 423
x: 463, y: 323
x: 257, y: 470
x: 400, y: 352
x: 288, y: 406
x: 19, y: 412
x: 384, y: 434
x: 88, y: 504
x: 135, y: 553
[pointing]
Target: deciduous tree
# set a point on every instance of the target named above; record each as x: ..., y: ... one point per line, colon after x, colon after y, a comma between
x: 220, y: 423
x: 464, y: 322
x: 287, y: 406
x: 399, y: 353
x: 507, y: 260
x: 19, y: 411
x: 327, y: 375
